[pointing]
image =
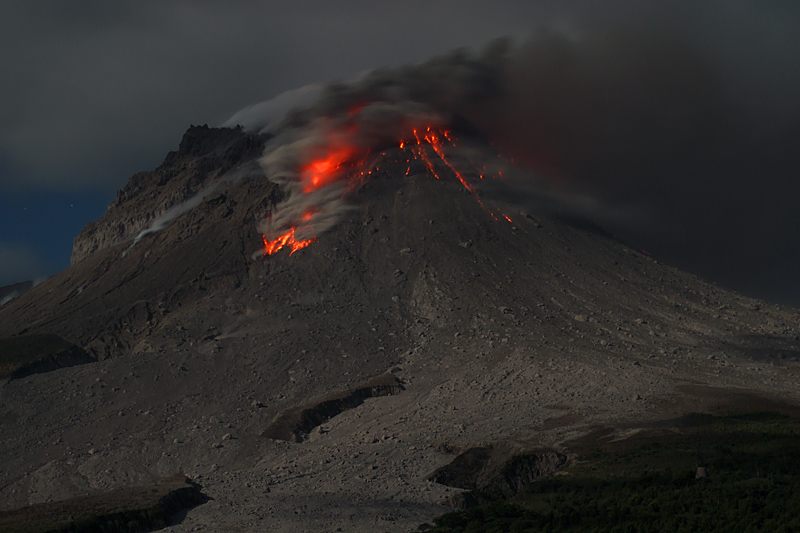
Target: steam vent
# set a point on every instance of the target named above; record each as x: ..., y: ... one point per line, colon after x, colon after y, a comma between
x: 355, y: 323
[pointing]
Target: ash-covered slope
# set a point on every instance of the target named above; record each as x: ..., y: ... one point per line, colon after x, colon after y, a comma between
x: 498, y: 326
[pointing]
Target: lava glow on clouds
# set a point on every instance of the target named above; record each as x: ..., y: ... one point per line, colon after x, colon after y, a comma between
x: 334, y: 157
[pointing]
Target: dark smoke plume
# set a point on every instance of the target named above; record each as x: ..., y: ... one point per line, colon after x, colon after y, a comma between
x: 645, y: 131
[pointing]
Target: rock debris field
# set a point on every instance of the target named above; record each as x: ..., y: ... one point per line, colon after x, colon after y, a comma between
x: 319, y: 390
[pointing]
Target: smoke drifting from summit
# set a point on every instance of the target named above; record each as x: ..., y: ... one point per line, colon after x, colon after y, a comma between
x: 648, y: 131
x: 685, y: 111
x: 309, y: 160
x: 651, y: 122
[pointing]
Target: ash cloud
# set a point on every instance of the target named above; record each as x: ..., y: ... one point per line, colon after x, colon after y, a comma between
x: 340, y: 136
x: 649, y: 122
x: 649, y: 126
x: 104, y: 89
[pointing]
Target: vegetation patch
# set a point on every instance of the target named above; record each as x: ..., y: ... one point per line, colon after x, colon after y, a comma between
x: 125, y: 510
x: 30, y: 354
x: 735, y: 473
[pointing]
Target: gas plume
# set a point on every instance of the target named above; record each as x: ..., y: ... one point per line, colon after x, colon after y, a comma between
x: 311, y: 161
x: 321, y: 151
x: 247, y: 170
x: 643, y: 130
x: 174, y: 212
x: 264, y: 116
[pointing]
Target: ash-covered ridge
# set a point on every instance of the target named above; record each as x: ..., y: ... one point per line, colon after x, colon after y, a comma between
x: 204, y: 156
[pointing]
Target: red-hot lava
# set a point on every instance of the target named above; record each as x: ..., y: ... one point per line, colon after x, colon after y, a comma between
x: 323, y: 172
x: 348, y: 163
x: 287, y: 240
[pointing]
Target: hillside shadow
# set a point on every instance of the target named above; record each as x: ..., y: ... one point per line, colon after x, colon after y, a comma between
x: 766, y: 348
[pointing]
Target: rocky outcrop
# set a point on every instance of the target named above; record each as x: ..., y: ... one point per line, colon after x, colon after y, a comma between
x: 130, y: 509
x: 205, y: 156
x: 70, y: 357
x: 495, y: 471
x: 522, y: 470
x: 295, y: 424
x: 35, y: 354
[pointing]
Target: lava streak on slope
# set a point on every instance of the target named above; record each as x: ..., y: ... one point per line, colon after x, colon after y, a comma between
x: 322, y: 184
x: 287, y: 240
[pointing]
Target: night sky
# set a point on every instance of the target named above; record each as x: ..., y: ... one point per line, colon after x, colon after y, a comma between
x: 95, y: 91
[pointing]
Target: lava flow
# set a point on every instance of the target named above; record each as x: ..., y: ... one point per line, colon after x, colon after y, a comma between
x: 287, y: 240
x: 348, y: 163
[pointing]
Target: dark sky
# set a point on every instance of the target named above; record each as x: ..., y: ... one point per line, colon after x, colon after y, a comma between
x: 95, y: 91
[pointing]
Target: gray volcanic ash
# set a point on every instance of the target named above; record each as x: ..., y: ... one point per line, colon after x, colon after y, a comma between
x: 395, y: 312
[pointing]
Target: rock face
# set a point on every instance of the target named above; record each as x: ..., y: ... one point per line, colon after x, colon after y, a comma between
x: 204, y: 155
x: 295, y: 424
x: 496, y: 471
x: 521, y: 334
x: 130, y: 509
x: 24, y: 355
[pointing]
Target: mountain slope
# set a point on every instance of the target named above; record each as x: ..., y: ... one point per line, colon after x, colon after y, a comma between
x: 526, y: 331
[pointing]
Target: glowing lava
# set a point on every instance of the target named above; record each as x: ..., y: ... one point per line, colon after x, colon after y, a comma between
x: 323, y: 172
x: 348, y: 163
x: 434, y: 139
x: 287, y: 240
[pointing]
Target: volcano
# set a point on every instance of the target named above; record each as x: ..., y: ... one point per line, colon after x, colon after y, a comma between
x: 317, y: 387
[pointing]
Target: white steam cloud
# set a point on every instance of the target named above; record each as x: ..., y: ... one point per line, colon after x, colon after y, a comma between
x: 264, y: 116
